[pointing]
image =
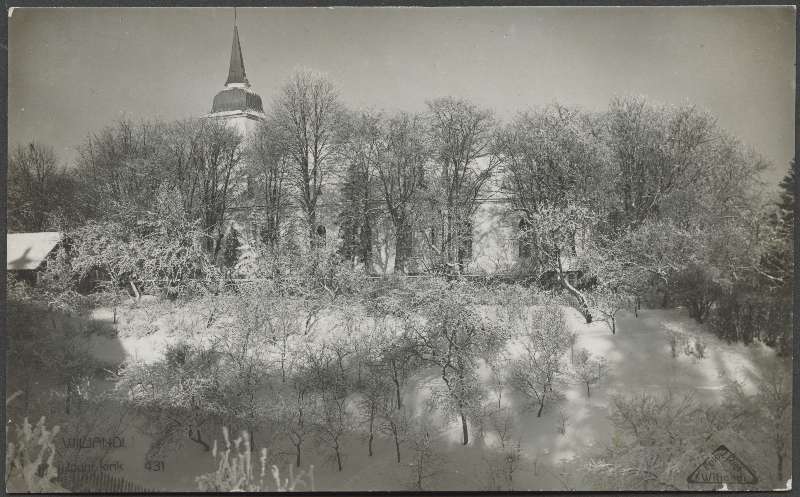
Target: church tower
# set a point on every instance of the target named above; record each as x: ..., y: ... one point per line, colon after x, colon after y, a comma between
x: 237, y: 104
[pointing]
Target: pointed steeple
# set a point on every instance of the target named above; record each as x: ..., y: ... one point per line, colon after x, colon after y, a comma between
x: 236, y: 74
x: 237, y: 99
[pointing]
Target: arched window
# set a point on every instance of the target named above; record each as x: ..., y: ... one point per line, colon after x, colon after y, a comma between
x: 524, y: 238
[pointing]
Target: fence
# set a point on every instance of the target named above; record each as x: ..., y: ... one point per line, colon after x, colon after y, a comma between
x: 98, y: 481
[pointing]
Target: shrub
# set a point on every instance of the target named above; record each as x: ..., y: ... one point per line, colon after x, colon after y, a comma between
x: 697, y: 289
x: 674, y: 342
x: 176, y: 354
x: 235, y: 470
x: 700, y: 348
x: 746, y: 315
x: 30, y: 458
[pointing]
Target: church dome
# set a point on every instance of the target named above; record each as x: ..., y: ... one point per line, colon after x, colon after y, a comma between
x: 237, y: 99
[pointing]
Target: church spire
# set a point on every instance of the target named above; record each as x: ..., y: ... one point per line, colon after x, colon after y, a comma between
x: 237, y: 99
x: 236, y: 74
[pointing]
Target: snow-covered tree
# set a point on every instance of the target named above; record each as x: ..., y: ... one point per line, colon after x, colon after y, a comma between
x: 656, y: 443
x: 538, y: 370
x: 402, y: 177
x: 454, y: 337
x: 461, y: 135
x: 307, y: 112
x: 425, y: 463
x: 589, y: 370
x: 555, y: 229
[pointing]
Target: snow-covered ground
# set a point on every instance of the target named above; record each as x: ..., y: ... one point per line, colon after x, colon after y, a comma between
x: 638, y: 356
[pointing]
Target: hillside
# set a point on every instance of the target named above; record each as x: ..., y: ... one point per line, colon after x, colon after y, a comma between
x: 639, y: 360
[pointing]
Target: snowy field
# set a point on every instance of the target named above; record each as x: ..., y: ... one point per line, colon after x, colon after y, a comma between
x: 639, y: 360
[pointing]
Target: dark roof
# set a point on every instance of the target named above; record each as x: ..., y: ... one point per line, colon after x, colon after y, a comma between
x: 237, y: 99
x: 236, y: 72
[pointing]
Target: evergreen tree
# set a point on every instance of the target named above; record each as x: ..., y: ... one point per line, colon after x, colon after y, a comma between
x: 230, y: 254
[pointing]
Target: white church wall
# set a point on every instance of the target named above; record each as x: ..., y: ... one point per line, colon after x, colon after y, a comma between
x: 494, y: 243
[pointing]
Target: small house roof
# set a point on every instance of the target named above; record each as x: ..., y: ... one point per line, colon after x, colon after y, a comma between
x: 26, y: 251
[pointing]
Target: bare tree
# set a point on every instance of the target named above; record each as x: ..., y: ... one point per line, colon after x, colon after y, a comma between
x: 38, y: 189
x: 395, y: 422
x: 269, y: 160
x: 121, y: 166
x: 555, y: 229
x: 536, y: 373
x: 554, y: 161
x: 609, y: 301
x: 204, y: 161
x: 399, y: 360
x: 501, y: 466
x: 425, y: 463
x: 402, y: 175
x: 335, y: 423
x: 461, y: 135
x: 658, y: 151
x: 374, y: 395
x: 297, y: 407
x: 589, y: 370
x: 329, y: 375
x: 497, y: 366
x: 551, y: 157
x: 454, y: 337
x: 655, y: 433
x: 765, y: 418
x: 307, y: 111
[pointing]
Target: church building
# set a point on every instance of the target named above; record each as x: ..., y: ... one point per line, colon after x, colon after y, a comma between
x: 494, y: 246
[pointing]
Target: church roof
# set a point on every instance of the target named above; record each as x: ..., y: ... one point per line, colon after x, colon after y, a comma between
x: 236, y: 72
x: 237, y: 99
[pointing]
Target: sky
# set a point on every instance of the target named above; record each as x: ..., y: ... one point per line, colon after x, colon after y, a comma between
x: 73, y: 71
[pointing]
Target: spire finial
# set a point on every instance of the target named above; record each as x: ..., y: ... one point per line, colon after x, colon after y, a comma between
x: 235, y: 18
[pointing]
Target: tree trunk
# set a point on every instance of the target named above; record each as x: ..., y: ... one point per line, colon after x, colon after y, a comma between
x: 582, y: 304
x: 312, y: 229
x: 613, y: 325
x: 371, y: 428
x: 396, y: 382
x: 199, y: 439
x: 396, y: 439
x: 297, y: 459
x: 588, y: 393
x: 338, y: 458
x: 464, y: 429
x: 541, y: 408
x: 365, y: 242
x: 402, y: 244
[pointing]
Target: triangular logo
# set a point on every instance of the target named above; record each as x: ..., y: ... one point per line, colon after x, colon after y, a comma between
x: 722, y: 466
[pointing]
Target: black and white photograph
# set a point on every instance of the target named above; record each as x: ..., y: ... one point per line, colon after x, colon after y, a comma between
x: 408, y: 248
